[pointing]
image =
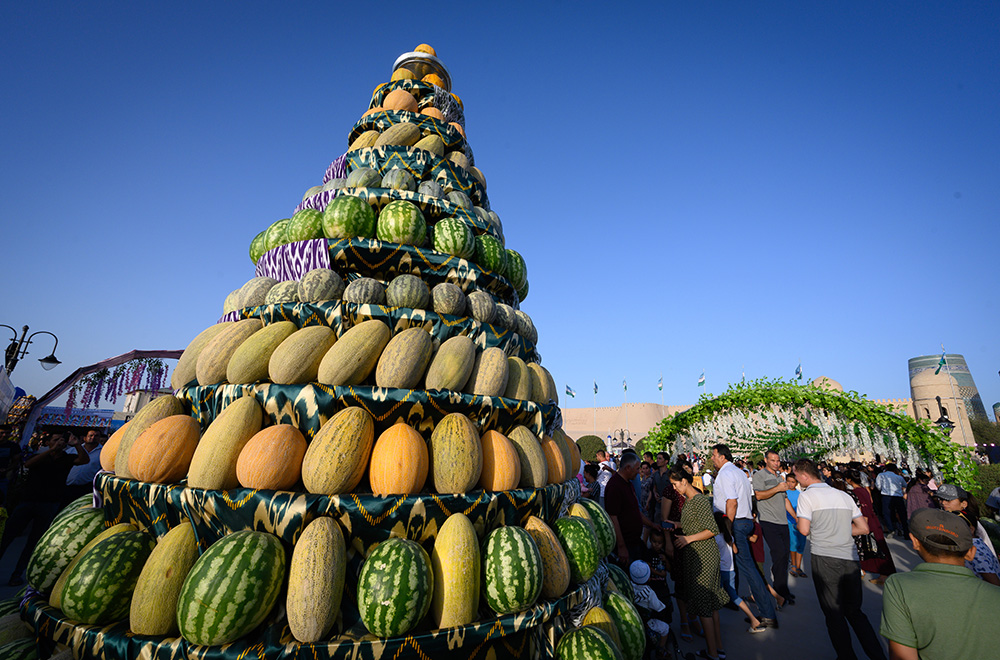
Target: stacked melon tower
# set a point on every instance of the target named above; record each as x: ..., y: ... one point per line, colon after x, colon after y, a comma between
x: 363, y: 456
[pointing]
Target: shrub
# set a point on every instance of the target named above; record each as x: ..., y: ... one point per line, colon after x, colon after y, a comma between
x: 987, y: 478
x: 589, y: 446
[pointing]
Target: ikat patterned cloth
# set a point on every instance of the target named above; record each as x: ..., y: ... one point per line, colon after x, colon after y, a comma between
x: 423, y: 165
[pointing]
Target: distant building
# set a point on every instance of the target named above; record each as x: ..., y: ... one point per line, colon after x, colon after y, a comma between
x: 996, y: 411
x: 956, y: 366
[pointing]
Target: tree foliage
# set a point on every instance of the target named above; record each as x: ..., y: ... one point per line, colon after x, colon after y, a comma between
x: 589, y: 446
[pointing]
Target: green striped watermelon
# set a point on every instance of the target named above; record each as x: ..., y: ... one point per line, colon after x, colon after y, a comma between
x: 305, y: 225
x: 348, y: 216
x: 402, y: 222
x: 407, y: 291
x: 576, y: 535
x: 275, y: 234
x: 631, y: 632
x: 603, y: 526
x: 452, y: 236
x: 587, y: 643
x: 232, y: 588
x: 395, y: 587
x: 522, y: 292
x: 512, y: 570
x: 490, y: 254
x: 82, y: 502
x: 60, y: 543
x: 22, y: 649
x: 517, y: 271
x: 621, y: 581
x: 99, y: 588
x: 257, y: 246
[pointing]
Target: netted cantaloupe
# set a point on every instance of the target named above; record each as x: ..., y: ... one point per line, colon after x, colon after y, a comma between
x: 296, y: 360
x: 338, y: 454
x: 489, y: 373
x: 213, y: 465
x: 249, y: 362
x: 399, y: 99
x: 213, y: 361
x: 316, y: 580
x: 452, y: 365
x: 351, y: 360
x: 405, y: 359
x: 185, y: 371
x: 455, y: 564
x: 534, y: 469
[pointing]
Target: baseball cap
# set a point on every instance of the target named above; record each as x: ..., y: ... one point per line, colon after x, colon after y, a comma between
x: 639, y: 572
x: 941, y: 530
x: 951, y: 492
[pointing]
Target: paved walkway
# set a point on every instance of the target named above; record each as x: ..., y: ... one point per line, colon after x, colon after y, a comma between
x: 802, y: 632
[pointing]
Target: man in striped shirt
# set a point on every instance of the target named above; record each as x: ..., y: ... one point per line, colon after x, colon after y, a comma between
x: 831, y: 519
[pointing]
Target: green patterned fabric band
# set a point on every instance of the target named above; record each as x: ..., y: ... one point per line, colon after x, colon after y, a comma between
x: 423, y: 165
x: 308, y: 407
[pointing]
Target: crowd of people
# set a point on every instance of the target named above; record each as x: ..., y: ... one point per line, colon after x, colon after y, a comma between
x: 35, y: 484
x: 691, y: 533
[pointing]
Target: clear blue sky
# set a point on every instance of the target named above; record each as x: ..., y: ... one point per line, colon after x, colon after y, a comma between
x: 694, y: 186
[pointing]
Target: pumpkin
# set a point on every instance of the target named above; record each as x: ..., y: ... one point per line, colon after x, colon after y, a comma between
x: 425, y: 48
x: 431, y: 111
x: 501, y: 464
x: 399, y: 99
x: 272, y: 459
x: 110, y: 448
x: 399, y: 462
x: 162, y: 454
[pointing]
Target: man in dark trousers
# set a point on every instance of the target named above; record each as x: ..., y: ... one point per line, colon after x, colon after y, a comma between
x: 772, y: 506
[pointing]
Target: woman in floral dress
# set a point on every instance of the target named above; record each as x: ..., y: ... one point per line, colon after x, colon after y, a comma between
x: 699, y: 561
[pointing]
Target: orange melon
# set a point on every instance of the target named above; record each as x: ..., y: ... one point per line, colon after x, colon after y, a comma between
x: 431, y: 111
x: 501, y: 465
x: 554, y: 460
x: 399, y: 462
x: 162, y: 454
x: 458, y: 100
x: 110, y: 448
x: 272, y: 458
x: 399, y: 99
x: 373, y: 110
x: 457, y: 127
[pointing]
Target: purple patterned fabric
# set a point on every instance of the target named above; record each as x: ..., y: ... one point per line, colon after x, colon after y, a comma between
x: 230, y: 316
x: 337, y: 169
x: 317, y: 201
x: 292, y: 261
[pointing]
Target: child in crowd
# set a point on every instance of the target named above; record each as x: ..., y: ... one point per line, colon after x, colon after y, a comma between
x: 650, y: 608
x: 659, y: 566
x: 727, y: 572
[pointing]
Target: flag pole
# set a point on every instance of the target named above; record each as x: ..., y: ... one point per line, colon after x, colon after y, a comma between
x: 626, y: 407
x: 595, y: 407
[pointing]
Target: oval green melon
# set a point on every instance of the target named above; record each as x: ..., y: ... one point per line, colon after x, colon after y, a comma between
x: 296, y: 360
x: 448, y: 298
x: 407, y: 291
x: 504, y: 317
x: 489, y: 373
x: 254, y: 292
x: 543, y: 387
x: 154, y: 602
x: 431, y: 143
x: 232, y: 302
x: 526, y: 327
x: 455, y: 565
x: 518, y: 379
x: 631, y: 630
x: 534, y: 468
x: 453, y: 236
x: 404, y: 134
x: 402, y: 222
x: 576, y: 535
x: 587, y: 643
x: 603, y: 527
x: 316, y: 580
x: 99, y: 588
x: 348, y: 216
x: 321, y: 284
x: 60, y: 544
x: 456, y: 455
x: 249, y: 363
x: 405, y: 359
x: 522, y: 292
x: 305, y: 225
x: 363, y: 177
x: 282, y: 292
x: 459, y: 198
x: 275, y: 234
x: 365, y: 291
x: 185, y: 372
x: 431, y: 189
x: 482, y: 306
x: 213, y: 361
x: 351, y: 360
x: 452, y: 365
x: 399, y: 179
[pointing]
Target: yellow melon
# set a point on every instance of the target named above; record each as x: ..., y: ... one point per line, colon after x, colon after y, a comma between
x: 399, y: 99
x: 402, y: 74
x: 425, y: 48
x: 434, y: 79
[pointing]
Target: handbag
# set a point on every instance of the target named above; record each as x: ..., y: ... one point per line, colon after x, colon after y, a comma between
x: 868, y: 547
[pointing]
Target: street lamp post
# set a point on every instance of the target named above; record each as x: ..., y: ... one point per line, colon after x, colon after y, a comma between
x: 943, y: 422
x: 18, y: 348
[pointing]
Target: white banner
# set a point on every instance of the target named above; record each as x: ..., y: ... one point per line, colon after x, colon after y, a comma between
x: 6, y: 394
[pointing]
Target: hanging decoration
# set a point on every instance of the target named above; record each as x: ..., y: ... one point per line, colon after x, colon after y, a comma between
x: 809, y: 421
x: 147, y: 374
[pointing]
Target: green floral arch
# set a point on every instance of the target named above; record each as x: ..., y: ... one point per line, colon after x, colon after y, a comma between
x: 810, y: 421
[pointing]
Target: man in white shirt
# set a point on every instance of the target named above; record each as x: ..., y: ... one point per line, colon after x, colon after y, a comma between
x: 605, y: 469
x: 731, y: 496
x: 831, y: 519
x: 892, y: 486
